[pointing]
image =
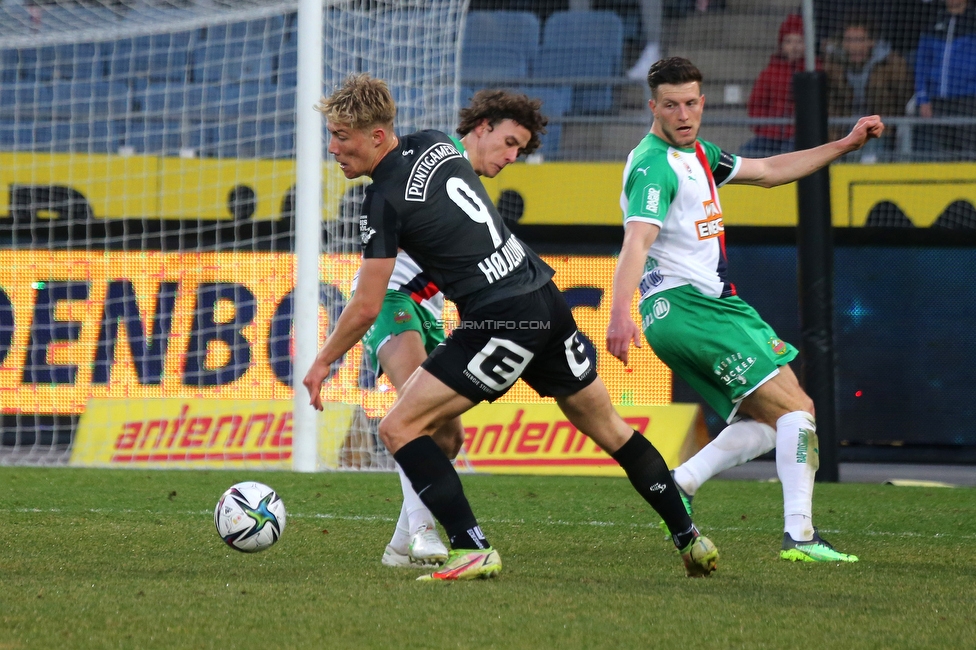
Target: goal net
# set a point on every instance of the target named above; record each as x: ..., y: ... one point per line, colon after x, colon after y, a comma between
x: 147, y: 216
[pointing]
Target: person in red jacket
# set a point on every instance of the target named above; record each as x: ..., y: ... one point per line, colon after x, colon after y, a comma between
x: 772, y: 94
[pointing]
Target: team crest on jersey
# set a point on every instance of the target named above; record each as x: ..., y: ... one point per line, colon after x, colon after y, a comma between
x: 365, y: 232
x: 423, y: 170
x: 778, y: 346
x: 401, y: 316
x: 711, y: 225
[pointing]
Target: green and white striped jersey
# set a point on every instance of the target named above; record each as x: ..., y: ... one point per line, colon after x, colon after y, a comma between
x: 677, y: 190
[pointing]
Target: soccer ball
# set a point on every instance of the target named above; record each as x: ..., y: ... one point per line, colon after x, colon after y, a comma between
x: 250, y: 517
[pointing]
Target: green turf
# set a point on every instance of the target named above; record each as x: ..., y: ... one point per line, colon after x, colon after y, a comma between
x: 92, y: 558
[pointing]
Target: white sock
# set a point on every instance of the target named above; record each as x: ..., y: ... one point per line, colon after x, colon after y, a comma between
x: 738, y: 443
x: 417, y: 513
x: 401, y: 535
x: 797, y: 460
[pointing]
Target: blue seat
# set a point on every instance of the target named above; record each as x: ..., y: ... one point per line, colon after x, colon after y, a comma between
x: 161, y: 57
x: 86, y: 99
x: 27, y: 100
x: 233, y: 61
x: 556, y: 102
x: 499, y: 44
x: 19, y: 135
x: 286, y: 68
x: 278, y: 101
x: 234, y: 100
x: 37, y: 135
x: 582, y: 44
x: 164, y: 137
x: 115, y: 58
x: 168, y: 57
x: 36, y: 63
x: 76, y: 61
x: 347, y: 48
x: 100, y: 136
x: 276, y: 138
x: 238, y: 139
x: 8, y: 131
x: 169, y: 100
x: 9, y: 60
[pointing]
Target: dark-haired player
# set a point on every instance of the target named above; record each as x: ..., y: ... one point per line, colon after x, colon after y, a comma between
x: 674, y: 252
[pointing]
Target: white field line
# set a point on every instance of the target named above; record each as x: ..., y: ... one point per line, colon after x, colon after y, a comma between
x: 487, y: 520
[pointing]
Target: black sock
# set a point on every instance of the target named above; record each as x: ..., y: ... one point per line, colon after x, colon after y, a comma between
x: 649, y: 475
x: 438, y: 486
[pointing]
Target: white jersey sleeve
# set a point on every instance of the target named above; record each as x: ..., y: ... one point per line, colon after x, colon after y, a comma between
x: 408, y: 278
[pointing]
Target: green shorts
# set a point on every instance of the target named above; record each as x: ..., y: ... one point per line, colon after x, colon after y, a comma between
x: 399, y: 314
x: 720, y: 346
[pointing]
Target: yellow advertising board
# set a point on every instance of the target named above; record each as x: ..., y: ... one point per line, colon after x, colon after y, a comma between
x: 77, y: 325
x: 555, y: 193
x: 538, y: 439
x: 500, y: 438
x: 200, y: 434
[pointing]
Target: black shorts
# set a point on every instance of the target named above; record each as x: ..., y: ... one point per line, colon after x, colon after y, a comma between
x: 532, y: 336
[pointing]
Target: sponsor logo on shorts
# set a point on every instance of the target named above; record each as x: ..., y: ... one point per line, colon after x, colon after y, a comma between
x: 647, y: 321
x: 401, y: 316
x: 661, y: 308
x: 733, y: 368
x: 778, y: 346
x: 498, y: 364
x: 579, y: 363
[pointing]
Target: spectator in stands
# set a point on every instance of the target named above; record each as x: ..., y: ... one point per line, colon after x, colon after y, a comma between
x: 905, y: 20
x: 772, y: 94
x: 945, y: 76
x: 866, y: 77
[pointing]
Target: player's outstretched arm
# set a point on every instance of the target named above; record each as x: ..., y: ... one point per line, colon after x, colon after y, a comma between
x: 788, y: 167
x: 357, y: 317
x: 638, y: 237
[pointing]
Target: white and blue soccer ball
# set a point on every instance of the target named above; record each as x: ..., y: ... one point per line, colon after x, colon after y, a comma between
x: 250, y: 517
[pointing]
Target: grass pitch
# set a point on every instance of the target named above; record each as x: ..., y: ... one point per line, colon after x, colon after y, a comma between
x: 104, y: 558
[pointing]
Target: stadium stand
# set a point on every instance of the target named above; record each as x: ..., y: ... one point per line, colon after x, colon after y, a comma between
x: 582, y: 44
x: 499, y: 45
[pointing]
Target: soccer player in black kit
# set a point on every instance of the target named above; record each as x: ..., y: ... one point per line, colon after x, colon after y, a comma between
x: 426, y: 199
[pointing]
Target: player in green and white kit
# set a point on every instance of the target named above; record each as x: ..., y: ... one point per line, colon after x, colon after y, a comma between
x: 674, y: 253
x: 495, y: 129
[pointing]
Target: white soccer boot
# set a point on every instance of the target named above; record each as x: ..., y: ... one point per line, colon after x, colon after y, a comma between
x: 426, y: 547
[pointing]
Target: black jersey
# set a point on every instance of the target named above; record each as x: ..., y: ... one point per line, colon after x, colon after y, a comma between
x: 426, y: 199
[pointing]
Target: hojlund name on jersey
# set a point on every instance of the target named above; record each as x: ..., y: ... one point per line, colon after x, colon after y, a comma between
x: 503, y: 261
x: 423, y: 170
